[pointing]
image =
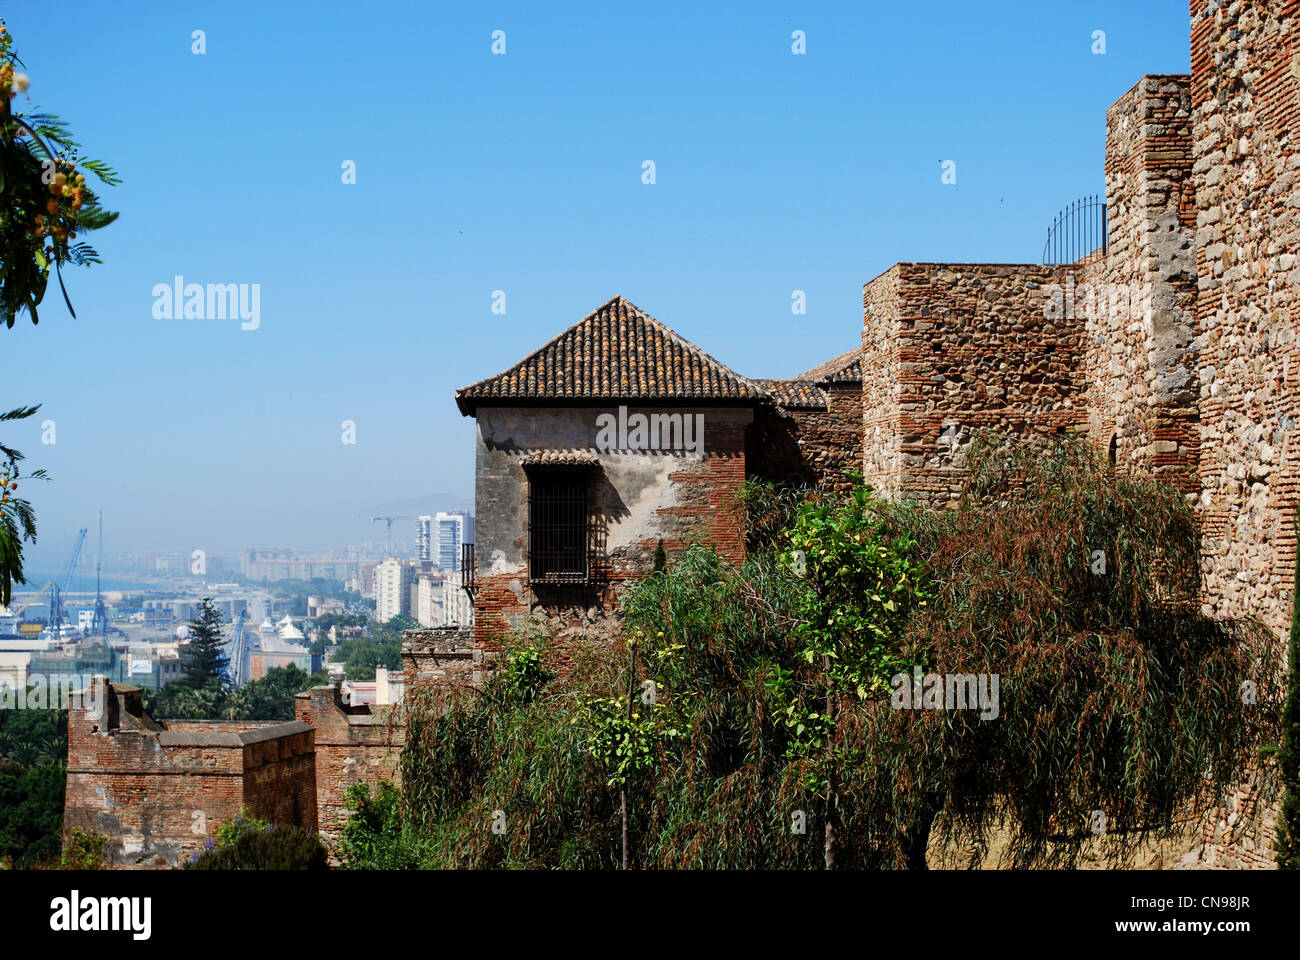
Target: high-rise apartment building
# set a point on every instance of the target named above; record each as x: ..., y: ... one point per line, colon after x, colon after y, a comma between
x: 425, y: 530
x: 393, y: 580
x: 453, y: 530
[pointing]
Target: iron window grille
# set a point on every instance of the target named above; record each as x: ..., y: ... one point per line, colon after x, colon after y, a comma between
x: 559, y: 526
x: 468, y: 568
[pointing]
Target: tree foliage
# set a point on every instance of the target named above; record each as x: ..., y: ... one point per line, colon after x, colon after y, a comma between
x: 45, y: 199
x: 17, y: 519
x: 31, y: 813
x: 361, y: 655
x: 207, y: 664
x: 1121, y: 705
x: 269, y: 697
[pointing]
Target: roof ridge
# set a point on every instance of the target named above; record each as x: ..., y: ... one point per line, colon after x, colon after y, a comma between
x: 614, y: 347
x: 830, y: 368
x: 681, y: 341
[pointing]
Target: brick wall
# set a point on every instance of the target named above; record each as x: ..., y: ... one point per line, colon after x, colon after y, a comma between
x: 159, y: 791
x: 636, y: 498
x: 800, y: 444
x: 354, y: 744
x: 1246, y: 110
x: 1138, y: 300
x: 949, y: 349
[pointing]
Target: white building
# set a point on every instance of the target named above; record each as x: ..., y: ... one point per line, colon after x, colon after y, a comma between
x: 453, y: 530
x: 392, y: 589
x: 428, y: 609
x: 13, y: 670
x: 424, y: 537
x: 457, y: 609
x: 389, y: 687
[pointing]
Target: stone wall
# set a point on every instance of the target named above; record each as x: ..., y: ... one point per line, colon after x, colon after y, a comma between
x: 1246, y: 109
x: 159, y: 791
x: 811, y: 442
x: 636, y: 498
x: 1137, y: 300
x: 1245, y: 95
x: 949, y: 349
x: 354, y: 744
x: 882, y: 391
x: 439, y: 657
x: 1239, y: 835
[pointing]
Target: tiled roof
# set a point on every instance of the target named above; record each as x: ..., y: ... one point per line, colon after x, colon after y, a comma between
x: 847, y: 367
x: 795, y: 394
x: 560, y: 458
x: 619, y: 352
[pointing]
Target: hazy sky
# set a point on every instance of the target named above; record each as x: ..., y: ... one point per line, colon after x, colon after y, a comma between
x: 475, y: 172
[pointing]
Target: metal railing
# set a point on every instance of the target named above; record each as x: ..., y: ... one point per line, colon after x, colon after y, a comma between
x: 1077, y: 233
x: 468, y: 569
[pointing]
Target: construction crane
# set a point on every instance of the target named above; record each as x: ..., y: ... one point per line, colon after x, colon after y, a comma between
x: 56, y: 598
x: 388, y: 541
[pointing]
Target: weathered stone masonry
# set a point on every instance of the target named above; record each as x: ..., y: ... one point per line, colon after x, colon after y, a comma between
x: 949, y: 349
x: 1137, y: 300
x: 159, y: 791
x: 354, y: 744
x: 1245, y: 93
x: 637, y: 499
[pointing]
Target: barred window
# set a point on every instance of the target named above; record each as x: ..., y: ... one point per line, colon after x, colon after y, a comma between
x: 558, y: 526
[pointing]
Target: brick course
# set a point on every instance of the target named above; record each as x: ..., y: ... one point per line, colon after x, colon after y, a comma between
x: 354, y: 744
x: 159, y: 791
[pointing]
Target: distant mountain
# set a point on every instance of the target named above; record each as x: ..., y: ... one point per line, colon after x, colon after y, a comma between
x: 427, y: 504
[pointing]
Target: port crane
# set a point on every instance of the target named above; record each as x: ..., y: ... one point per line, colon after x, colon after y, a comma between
x: 56, y: 597
x: 32, y: 599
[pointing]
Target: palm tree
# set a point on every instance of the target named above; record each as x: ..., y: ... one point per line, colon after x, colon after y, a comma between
x: 17, y: 521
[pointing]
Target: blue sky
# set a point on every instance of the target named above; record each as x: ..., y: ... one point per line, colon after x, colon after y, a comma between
x: 522, y: 173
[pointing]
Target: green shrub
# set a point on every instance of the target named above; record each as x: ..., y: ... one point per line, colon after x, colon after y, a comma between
x: 249, y: 844
x: 85, y: 850
x: 373, y: 838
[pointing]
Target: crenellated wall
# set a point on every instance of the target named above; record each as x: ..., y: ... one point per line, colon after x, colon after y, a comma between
x: 160, y: 791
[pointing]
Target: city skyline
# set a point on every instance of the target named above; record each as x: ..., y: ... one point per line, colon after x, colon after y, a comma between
x: 219, y: 434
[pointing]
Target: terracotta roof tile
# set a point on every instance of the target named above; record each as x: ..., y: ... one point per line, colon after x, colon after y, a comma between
x: 619, y: 352
x: 846, y: 368
x: 796, y: 394
x: 560, y: 458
